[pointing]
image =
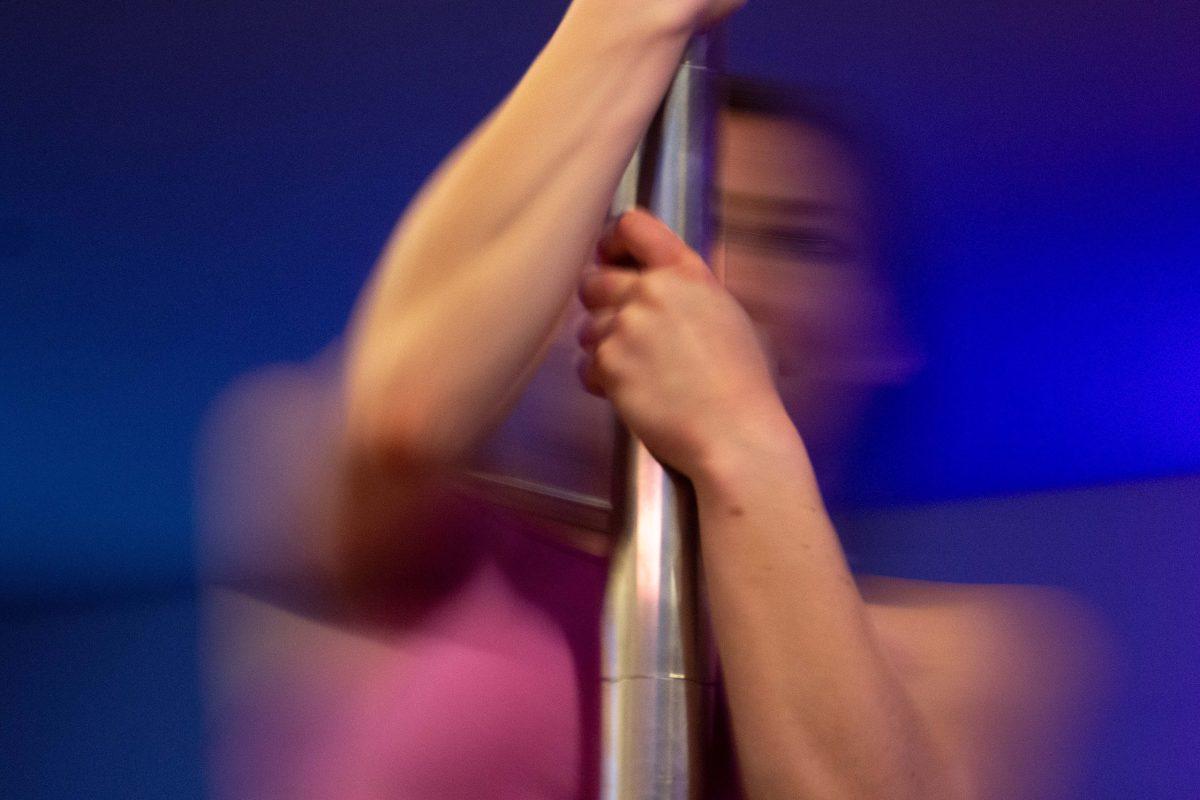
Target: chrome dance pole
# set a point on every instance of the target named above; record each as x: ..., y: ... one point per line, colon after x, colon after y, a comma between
x: 657, y: 658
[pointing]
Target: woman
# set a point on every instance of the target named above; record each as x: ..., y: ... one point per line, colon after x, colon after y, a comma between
x: 447, y: 647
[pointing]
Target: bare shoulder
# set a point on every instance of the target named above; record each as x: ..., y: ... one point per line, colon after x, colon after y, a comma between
x: 1011, y: 678
x: 920, y: 618
x: 263, y: 460
x: 288, y: 514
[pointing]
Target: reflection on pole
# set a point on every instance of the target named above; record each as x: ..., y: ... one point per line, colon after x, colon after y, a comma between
x: 658, y: 664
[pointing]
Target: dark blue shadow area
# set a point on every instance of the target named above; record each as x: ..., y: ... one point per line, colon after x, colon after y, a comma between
x: 101, y: 700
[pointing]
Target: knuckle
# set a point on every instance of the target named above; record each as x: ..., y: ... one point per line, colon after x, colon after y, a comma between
x: 602, y: 355
x: 619, y: 284
x: 619, y: 324
x: 605, y: 359
x: 692, y: 260
x: 653, y: 292
x: 626, y: 325
x: 612, y: 288
x: 625, y: 224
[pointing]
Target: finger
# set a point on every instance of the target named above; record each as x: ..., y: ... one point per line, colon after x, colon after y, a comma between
x: 606, y: 286
x: 639, y: 236
x: 595, y: 328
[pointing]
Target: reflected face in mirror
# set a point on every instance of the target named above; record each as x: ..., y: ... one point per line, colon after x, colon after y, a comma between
x: 797, y: 246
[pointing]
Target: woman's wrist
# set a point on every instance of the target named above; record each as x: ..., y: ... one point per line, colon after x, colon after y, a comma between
x: 653, y: 20
x: 756, y: 447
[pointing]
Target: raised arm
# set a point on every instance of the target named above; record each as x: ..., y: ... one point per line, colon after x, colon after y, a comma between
x: 482, y: 264
x: 452, y: 321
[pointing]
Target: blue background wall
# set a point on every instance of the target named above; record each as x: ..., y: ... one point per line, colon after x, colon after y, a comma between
x: 188, y: 191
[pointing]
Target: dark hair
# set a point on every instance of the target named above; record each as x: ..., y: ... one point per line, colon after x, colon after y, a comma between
x: 758, y: 96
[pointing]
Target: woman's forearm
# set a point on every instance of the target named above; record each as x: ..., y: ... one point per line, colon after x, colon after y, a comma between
x: 816, y: 709
x: 481, y: 265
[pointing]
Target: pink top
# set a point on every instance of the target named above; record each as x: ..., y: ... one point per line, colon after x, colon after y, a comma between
x: 493, y: 693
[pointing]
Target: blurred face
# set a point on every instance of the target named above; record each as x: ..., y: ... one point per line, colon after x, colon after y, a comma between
x: 797, y: 248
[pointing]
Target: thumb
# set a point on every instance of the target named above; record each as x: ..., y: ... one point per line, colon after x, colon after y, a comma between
x: 639, y: 237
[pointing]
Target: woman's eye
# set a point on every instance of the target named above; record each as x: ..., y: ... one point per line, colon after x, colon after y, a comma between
x: 797, y: 242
